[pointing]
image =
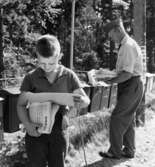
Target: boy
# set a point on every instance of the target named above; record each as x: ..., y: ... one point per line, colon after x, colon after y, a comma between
x: 50, y: 76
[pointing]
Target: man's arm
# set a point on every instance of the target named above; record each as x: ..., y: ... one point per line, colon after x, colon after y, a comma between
x: 121, y: 77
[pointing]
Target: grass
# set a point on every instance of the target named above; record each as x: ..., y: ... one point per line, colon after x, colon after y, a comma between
x: 87, y: 125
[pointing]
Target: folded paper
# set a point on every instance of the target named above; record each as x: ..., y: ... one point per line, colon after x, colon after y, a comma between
x: 44, y: 114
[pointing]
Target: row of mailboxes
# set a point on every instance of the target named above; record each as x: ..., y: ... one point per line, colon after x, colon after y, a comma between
x: 99, y: 96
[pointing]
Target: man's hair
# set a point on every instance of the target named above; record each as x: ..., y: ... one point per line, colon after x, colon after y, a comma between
x: 47, y: 46
x: 115, y: 24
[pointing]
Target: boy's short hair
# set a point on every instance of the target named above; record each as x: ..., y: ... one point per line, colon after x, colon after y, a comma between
x: 47, y: 46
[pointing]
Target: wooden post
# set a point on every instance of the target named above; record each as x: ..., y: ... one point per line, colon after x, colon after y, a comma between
x: 72, y: 34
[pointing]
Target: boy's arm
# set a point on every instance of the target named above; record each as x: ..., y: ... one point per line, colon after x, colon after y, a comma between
x: 21, y: 109
x: 22, y: 112
x: 58, y: 98
x: 81, y: 101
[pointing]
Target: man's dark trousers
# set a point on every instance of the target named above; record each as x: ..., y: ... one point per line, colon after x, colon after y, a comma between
x: 122, y: 124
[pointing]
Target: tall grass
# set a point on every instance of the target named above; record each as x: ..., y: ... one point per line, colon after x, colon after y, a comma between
x: 87, y: 125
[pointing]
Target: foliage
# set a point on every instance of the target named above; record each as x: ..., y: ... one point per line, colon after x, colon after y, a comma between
x: 13, y: 152
x: 90, y: 61
x: 22, y: 18
x: 87, y: 125
x: 24, y: 21
x: 85, y: 37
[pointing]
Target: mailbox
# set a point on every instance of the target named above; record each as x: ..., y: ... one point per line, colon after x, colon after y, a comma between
x: 99, y: 98
x: 10, y: 118
x: 113, y: 97
x: 102, y: 97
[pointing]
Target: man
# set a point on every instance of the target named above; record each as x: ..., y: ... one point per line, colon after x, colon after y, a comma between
x: 130, y: 90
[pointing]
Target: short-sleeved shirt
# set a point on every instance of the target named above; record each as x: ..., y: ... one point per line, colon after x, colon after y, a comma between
x: 65, y: 82
x: 129, y: 57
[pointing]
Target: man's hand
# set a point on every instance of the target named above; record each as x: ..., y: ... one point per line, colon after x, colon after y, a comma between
x: 32, y: 129
x: 107, y: 81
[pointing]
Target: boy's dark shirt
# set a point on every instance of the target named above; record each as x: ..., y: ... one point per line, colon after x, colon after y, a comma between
x: 65, y: 82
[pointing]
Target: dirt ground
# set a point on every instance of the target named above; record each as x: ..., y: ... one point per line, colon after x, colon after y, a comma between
x: 145, y: 149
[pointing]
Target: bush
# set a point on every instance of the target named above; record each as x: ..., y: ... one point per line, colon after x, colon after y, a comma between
x: 90, y: 60
x: 87, y: 126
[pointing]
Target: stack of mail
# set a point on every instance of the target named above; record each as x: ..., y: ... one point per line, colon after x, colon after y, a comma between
x: 97, y: 77
x: 44, y: 114
x: 105, y: 73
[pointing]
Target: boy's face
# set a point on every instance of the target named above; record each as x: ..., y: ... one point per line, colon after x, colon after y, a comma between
x: 49, y: 64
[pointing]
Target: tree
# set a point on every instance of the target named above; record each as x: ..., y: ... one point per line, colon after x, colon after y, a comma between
x: 23, y: 22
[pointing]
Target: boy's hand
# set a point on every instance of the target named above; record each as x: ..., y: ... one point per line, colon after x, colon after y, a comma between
x: 65, y: 123
x: 32, y: 129
x: 77, y: 101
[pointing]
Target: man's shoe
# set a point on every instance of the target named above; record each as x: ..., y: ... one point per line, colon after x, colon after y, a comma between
x: 108, y: 155
x: 127, y: 155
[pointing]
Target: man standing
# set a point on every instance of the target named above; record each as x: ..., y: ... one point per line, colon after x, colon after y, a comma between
x: 129, y: 69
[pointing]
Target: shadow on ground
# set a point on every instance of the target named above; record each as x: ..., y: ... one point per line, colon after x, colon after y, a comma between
x: 106, y: 162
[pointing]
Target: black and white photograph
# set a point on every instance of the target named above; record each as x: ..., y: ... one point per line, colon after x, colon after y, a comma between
x: 77, y: 83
